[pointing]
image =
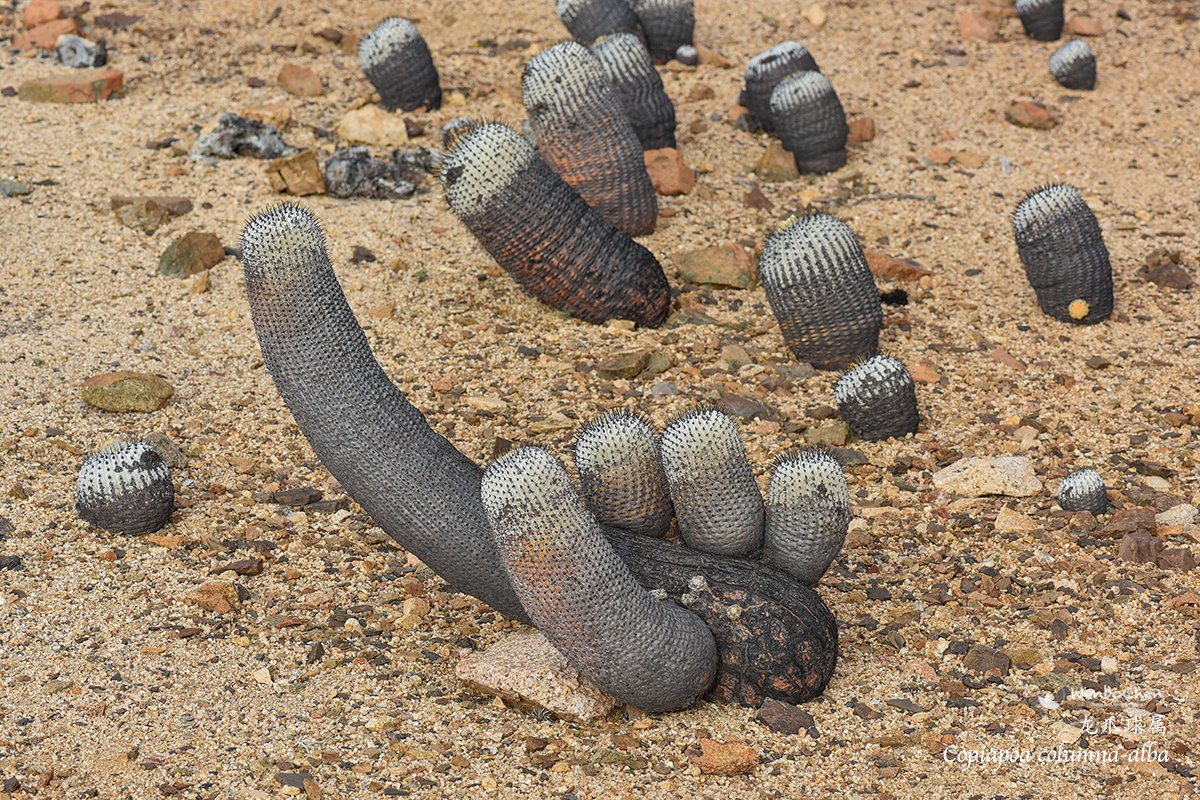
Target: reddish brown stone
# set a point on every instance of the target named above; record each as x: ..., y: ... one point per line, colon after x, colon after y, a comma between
x: 940, y: 156
x: 668, y: 173
x: 1129, y: 520
x: 1083, y: 26
x: 1140, y: 547
x: 80, y: 86
x: 901, y: 269
x: 300, y: 81
x: 39, y: 12
x: 1177, y: 558
x: 975, y: 27
x: 721, y: 758
x: 45, y: 36
x: 861, y: 129
x: 1025, y: 114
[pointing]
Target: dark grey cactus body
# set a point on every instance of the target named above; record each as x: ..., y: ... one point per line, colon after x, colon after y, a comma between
x: 764, y: 73
x: 627, y: 64
x: 821, y: 291
x: 808, y: 116
x: 1042, y: 19
x: 1083, y: 490
x: 560, y: 249
x: 583, y: 132
x: 1062, y: 248
x: 397, y: 62
x: 650, y: 653
x: 589, y: 20
x: 1074, y: 65
x: 125, y: 488
x: 667, y: 24
x: 808, y: 515
x: 618, y: 458
x: 878, y: 399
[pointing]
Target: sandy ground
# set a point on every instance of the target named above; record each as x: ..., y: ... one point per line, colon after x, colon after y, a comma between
x: 111, y: 685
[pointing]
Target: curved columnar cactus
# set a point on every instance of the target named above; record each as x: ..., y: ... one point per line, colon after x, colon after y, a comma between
x: 763, y: 74
x: 821, y: 290
x: 668, y: 25
x: 620, y: 470
x: 589, y: 20
x: 126, y: 488
x: 1083, y: 490
x: 878, y: 399
x: 1062, y: 248
x: 627, y: 64
x: 1042, y: 19
x: 647, y: 652
x: 806, y: 113
x: 808, y: 514
x: 583, y: 133
x: 717, y: 504
x: 1074, y: 65
x: 539, y: 229
x: 774, y: 636
x: 398, y: 64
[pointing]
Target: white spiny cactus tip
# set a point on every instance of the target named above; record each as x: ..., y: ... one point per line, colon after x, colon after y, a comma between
x: 875, y: 376
x: 623, y: 52
x: 122, y: 467
x: 285, y: 237
x: 1069, y: 54
x: 800, y: 90
x: 482, y: 164
x: 766, y: 60
x: 1047, y: 204
x: 1081, y: 483
x: 1024, y: 6
x: 383, y: 39
x: 568, y: 10
x: 620, y: 438
x: 806, y: 477
x: 701, y: 438
x: 520, y: 477
x: 562, y: 78
x: 808, y: 246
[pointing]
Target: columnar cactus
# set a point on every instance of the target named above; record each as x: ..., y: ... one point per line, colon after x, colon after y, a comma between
x: 627, y: 64
x: 1062, y: 248
x: 398, y: 64
x: 620, y: 468
x: 668, y: 25
x: 878, y: 399
x: 558, y: 248
x: 808, y: 514
x: 589, y: 20
x: 583, y: 132
x: 1083, y: 490
x: 1074, y: 65
x: 821, y: 291
x: 125, y: 488
x: 808, y: 116
x: 1042, y: 19
x: 763, y: 74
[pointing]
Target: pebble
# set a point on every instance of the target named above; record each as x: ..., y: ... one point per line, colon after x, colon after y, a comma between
x: 220, y: 597
x: 830, y: 434
x: 975, y: 27
x: 373, y: 125
x: 664, y: 389
x: 745, y: 408
x: 816, y: 16
x: 1098, y: 362
x: 784, y: 718
x: 923, y: 373
x: 627, y: 364
x: 9, y: 188
x: 883, y: 265
x: 191, y: 253
x: 1082, y: 26
x: 1180, y: 559
x: 299, y: 81
x: 298, y: 174
x: 1140, y: 547
x: 1182, y: 514
x: 728, y: 264
x: 46, y: 35
x: 490, y: 405
x: 725, y: 758
x: 866, y: 713
x: 39, y: 12
x: 669, y: 174
x: 1009, y: 521
x: 296, y: 497
x: 1128, y: 520
x: 982, y: 659
x: 125, y: 391
x: 1012, y: 476
x: 79, y: 53
x: 939, y: 155
x: 236, y: 136
x: 776, y: 164
x: 861, y: 129
x: 82, y: 86
x: 173, y: 205
x: 1163, y: 269
x: 144, y: 216
x: 756, y: 199
x: 1025, y: 114
x: 275, y: 114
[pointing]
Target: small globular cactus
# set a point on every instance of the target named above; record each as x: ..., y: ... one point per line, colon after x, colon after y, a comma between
x: 1074, y: 65
x: 627, y: 64
x: 561, y: 250
x: 619, y: 461
x: 878, y: 399
x: 583, y: 132
x: 125, y: 488
x: 763, y: 74
x: 1083, y: 490
x: 821, y: 290
x: 667, y: 24
x: 589, y: 20
x: 1042, y: 19
x: 398, y: 64
x: 1062, y: 248
x: 808, y: 514
x: 718, y: 507
x: 808, y: 116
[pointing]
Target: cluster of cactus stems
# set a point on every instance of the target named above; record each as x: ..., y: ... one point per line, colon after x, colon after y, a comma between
x: 766, y: 71
x: 666, y: 26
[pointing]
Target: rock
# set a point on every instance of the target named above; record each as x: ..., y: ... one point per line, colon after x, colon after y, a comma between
x: 710, y: 57
x: 831, y: 434
x: 745, y: 408
x: 1006, y: 358
x: 298, y: 175
x: 1011, y: 476
x: 725, y: 758
x: 861, y: 129
x: 969, y: 160
x: 45, y: 36
x: 720, y: 265
x: 756, y: 199
x: 373, y: 125
x: 923, y: 373
x: 78, y: 53
x: 816, y: 16
x: 1163, y: 269
x: 1025, y: 114
x: 166, y: 447
x: 39, y: 12
x: 236, y: 136
x: 668, y: 173
x: 784, y: 718
x: 524, y: 668
x: 299, y: 81
x: 940, y: 156
x: 1098, y: 362
x: 974, y: 27
x: 277, y: 115
x: 866, y: 713
x: 488, y: 405
x: 664, y: 389
x: 777, y: 165
x: 628, y: 364
x: 1140, y: 547
x: 219, y: 597
x: 1082, y: 26
x: 191, y: 253
x: 14, y: 188
x: 175, y: 206
x: 116, y: 20
x: 353, y: 172
x: 1025, y: 657
x: 901, y: 269
x: 1177, y: 558
x: 1182, y: 514
x: 1009, y: 521
x: 982, y: 659
x: 143, y: 215
x: 1129, y: 520
x: 83, y: 86
x: 126, y: 391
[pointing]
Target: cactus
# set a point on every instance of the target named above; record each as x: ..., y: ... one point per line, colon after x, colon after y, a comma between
x: 583, y: 132
x: 764, y: 73
x: 806, y: 113
x: 1063, y: 251
x: 807, y: 514
x: 627, y: 64
x: 877, y: 399
x: 667, y: 24
x: 125, y: 488
x: 1083, y: 490
x: 1042, y: 19
x: 589, y: 20
x: 558, y: 248
x: 620, y: 469
x: 1074, y: 65
x: 821, y: 290
x: 398, y: 64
